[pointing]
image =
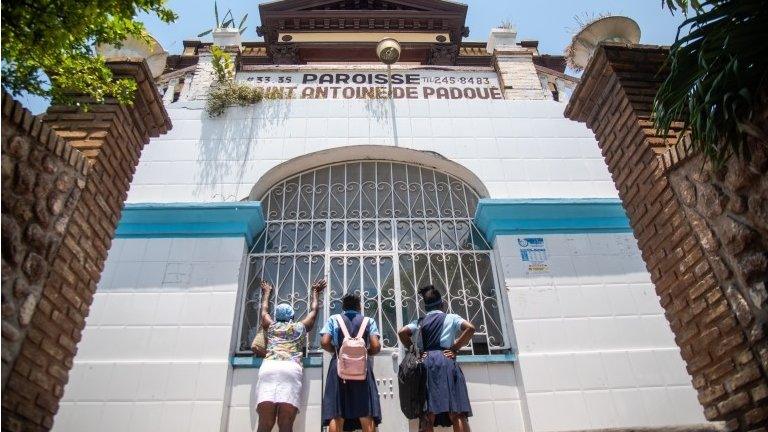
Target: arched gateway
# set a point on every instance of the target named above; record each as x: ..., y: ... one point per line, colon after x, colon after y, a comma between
x: 382, y: 229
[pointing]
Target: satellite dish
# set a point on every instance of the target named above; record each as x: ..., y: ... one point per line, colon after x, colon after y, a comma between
x: 153, y: 52
x: 608, y: 29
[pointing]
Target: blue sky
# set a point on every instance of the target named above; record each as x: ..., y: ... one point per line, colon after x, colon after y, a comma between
x: 551, y: 22
x: 548, y: 21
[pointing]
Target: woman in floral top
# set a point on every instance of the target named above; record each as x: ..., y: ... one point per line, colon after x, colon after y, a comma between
x: 280, y: 375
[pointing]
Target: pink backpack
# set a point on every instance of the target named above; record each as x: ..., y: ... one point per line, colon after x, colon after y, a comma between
x: 352, y: 358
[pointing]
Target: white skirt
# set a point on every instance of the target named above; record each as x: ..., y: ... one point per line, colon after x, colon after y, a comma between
x: 279, y: 382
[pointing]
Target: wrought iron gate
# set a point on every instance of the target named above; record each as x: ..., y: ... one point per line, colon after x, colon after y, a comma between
x: 382, y: 229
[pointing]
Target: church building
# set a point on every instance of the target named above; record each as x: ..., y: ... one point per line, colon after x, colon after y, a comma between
x: 453, y: 165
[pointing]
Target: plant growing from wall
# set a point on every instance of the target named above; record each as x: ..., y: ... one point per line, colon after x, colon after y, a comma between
x: 227, y: 22
x: 48, y: 45
x: 223, y: 67
x: 717, y: 81
x: 506, y: 24
x: 226, y: 92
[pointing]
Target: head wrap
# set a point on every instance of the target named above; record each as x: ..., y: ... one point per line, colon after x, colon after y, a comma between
x: 434, y: 304
x: 283, y: 312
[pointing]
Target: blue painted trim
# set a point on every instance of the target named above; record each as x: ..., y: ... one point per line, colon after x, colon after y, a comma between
x: 317, y: 361
x: 550, y: 216
x: 241, y: 219
x: 488, y: 358
x: 255, y: 362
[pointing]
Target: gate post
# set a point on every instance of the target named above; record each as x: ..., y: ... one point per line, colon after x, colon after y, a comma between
x: 108, y: 138
x: 703, y: 237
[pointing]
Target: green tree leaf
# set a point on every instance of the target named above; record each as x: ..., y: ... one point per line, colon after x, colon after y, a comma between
x: 718, y: 70
x: 48, y: 45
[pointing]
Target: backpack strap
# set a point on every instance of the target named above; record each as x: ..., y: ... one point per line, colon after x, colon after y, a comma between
x: 419, y: 342
x: 343, y: 327
x: 363, y: 327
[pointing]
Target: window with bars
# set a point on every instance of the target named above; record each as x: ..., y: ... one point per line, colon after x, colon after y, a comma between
x: 382, y: 229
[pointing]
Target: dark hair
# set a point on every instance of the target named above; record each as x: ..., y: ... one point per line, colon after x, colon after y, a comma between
x: 431, y: 297
x: 351, y: 301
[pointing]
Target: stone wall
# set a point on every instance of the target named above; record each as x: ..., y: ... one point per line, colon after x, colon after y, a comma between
x: 728, y: 211
x: 110, y: 136
x: 728, y: 370
x: 43, y: 177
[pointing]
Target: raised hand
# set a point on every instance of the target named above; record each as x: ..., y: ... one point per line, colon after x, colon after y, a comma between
x: 266, y: 287
x: 266, y: 319
x: 319, y: 285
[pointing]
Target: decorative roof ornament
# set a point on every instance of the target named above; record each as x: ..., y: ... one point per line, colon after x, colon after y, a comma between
x: 502, y: 38
x: 443, y: 55
x: 284, y: 53
x: 349, y: 30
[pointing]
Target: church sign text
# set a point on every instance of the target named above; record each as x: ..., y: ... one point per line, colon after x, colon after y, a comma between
x: 426, y: 84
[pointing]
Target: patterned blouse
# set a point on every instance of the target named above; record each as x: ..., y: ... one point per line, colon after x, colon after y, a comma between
x: 285, y: 341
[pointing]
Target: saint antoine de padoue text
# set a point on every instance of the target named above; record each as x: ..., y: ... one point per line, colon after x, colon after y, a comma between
x: 418, y: 85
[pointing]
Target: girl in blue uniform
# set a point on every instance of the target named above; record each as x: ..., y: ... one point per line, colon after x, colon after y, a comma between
x: 447, y: 398
x: 350, y: 405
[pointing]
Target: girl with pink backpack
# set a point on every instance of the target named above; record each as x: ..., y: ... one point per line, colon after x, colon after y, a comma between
x: 351, y: 398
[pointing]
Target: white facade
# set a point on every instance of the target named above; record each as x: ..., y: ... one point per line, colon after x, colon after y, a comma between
x: 593, y: 347
x: 155, y: 353
x: 519, y: 149
x: 595, y: 350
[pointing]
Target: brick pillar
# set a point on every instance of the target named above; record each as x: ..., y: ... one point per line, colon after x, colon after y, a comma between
x: 614, y: 99
x: 43, y: 178
x: 517, y: 73
x: 111, y: 137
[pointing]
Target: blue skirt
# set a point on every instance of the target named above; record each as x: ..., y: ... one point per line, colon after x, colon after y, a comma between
x: 446, y: 388
x: 350, y: 400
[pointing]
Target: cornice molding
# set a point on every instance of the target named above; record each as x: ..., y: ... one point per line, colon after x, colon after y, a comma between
x: 550, y: 216
x: 158, y: 220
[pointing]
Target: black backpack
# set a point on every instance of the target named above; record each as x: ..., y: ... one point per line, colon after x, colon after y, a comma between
x: 412, y: 382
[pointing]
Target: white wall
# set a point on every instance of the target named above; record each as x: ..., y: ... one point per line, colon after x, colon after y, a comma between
x: 155, y: 350
x: 519, y: 149
x: 242, y: 405
x: 492, y: 388
x: 595, y: 350
x: 495, y: 396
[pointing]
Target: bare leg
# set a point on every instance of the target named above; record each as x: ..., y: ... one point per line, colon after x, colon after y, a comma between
x: 336, y: 425
x: 267, y: 413
x: 429, y: 422
x: 460, y: 422
x: 368, y: 424
x: 286, y: 415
